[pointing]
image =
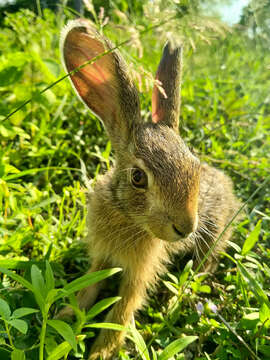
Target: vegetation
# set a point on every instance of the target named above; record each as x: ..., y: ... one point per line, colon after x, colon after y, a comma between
x: 52, y: 144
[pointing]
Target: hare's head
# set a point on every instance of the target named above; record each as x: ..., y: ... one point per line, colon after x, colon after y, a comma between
x: 156, y: 178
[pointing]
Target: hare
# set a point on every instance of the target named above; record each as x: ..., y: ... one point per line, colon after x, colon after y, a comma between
x: 158, y: 200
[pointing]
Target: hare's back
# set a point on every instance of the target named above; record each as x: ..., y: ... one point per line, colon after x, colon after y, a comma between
x: 216, y: 200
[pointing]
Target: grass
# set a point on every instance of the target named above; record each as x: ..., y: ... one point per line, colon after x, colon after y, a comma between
x: 51, y: 143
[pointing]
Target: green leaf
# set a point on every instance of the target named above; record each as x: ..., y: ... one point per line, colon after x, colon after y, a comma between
x: 254, y: 286
x: 4, y: 309
x: 37, y: 170
x: 176, y: 347
x: 17, y: 355
x: 49, y: 277
x: 17, y: 264
x: 87, y: 280
x: 205, y: 289
x: 10, y: 169
x: 65, y: 331
x: 252, y: 238
x: 52, y: 296
x: 154, y: 354
x: 184, y: 275
x: 265, y: 315
x: 172, y: 287
x: 18, y: 313
x: 138, y: 340
x: 19, y: 324
x: 101, y: 306
x: 53, y: 66
x: 38, y: 281
x: 6, y: 132
x: 173, y: 278
x: 60, y: 351
x: 9, y: 76
x: 249, y: 321
x: 111, y: 326
x: 39, y: 288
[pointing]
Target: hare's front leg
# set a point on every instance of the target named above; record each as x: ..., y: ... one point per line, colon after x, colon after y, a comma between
x: 86, y: 297
x: 132, y: 292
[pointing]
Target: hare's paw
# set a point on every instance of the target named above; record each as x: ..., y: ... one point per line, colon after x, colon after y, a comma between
x: 107, y: 345
x: 106, y: 352
x: 66, y: 313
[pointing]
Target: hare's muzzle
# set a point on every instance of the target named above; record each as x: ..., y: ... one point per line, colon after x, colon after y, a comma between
x: 187, y: 222
x: 186, y: 228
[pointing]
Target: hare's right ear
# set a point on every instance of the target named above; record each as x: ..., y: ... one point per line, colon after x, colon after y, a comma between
x: 166, y: 107
x: 104, y: 85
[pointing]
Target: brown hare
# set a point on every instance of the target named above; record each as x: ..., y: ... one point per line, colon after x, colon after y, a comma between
x: 158, y: 200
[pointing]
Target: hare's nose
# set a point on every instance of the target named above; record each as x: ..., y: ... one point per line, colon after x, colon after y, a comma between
x: 183, y: 233
x: 179, y: 232
x: 187, y: 228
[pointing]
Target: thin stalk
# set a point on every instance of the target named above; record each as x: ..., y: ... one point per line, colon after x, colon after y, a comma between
x: 39, y: 8
x: 8, y: 334
x: 238, y: 337
x: 42, y: 336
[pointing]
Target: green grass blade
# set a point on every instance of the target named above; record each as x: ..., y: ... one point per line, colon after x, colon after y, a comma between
x: 101, y: 306
x: 60, y: 351
x: 110, y: 326
x: 22, y: 265
x: 4, y: 309
x: 87, y: 280
x: 36, y: 170
x: 65, y: 331
x: 138, y: 340
x: 252, y: 238
x: 253, y: 285
x: 49, y: 278
x: 39, y: 288
x: 176, y: 347
x: 21, y: 312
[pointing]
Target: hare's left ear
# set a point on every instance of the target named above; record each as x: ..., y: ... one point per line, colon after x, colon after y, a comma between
x: 103, y: 84
x: 166, y: 108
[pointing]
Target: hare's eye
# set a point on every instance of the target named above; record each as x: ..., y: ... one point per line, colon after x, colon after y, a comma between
x: 138, y: 178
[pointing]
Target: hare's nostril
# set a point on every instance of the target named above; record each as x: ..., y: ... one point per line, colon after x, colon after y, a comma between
x: 178, y: 232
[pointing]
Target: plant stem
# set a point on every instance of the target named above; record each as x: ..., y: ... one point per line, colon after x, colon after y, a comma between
x: 8, y: 334
x: 39, y: 8
x: 42, y: 336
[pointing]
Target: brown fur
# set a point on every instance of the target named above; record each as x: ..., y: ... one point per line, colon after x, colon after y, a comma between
x: 185, y: 205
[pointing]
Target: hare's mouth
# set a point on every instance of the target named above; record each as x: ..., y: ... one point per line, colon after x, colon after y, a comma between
x: 179, y: 233
x: 168, y: 233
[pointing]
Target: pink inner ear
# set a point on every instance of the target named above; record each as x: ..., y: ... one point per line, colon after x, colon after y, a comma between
x: 157, y: 111
x: 95, y: 83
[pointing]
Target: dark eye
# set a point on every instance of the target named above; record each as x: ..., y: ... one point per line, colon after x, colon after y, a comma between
x: 138, y: 178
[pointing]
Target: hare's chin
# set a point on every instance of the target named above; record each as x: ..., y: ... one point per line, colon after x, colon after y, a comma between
x: 170, y: 238
x: 177, y: 239
x: 165, y: 234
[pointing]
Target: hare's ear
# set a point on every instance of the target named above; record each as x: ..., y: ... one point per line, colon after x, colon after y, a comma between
x: 104, y: 85
x: 166, y: 106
